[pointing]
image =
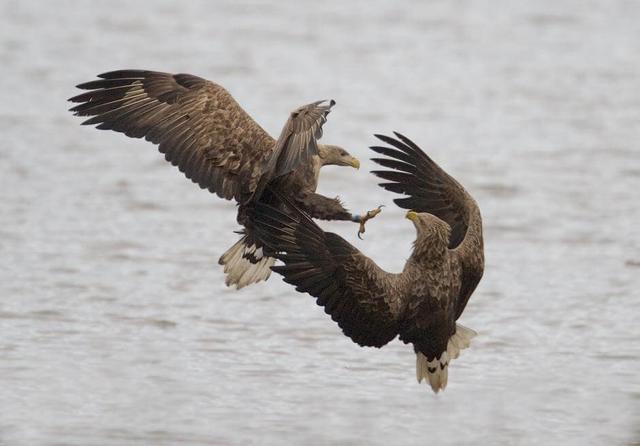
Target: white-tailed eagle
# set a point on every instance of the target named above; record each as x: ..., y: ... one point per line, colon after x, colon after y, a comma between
x: 421, y: 304
x: 203, y: 131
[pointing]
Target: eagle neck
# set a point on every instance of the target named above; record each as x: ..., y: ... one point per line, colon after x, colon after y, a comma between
x: 428, y: 252
x: 317, y: 163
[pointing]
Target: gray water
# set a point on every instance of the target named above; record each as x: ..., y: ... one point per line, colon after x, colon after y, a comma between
x: 116, y: 327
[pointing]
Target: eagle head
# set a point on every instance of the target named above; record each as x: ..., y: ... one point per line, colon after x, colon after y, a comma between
x: 430, y: 228
x: 336, y: 156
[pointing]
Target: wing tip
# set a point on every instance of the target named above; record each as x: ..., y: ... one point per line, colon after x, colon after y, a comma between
x: 398, y: 135
x: 91, y: 121
x: 321, y: 102
x: 85, y: 85
x: 380, y: 136
x: 401, y: 203
x: 115, y: 74
x: 388, y: 139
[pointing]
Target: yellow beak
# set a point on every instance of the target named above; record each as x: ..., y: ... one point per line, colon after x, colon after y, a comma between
x: 355, y: 163
x: 411, y: 215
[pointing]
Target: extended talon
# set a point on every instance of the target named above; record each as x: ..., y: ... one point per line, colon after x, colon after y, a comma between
x: 368, y: 216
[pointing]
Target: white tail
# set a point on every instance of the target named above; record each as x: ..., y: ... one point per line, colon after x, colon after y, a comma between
x: 240, y: 270
x: 436, y: 371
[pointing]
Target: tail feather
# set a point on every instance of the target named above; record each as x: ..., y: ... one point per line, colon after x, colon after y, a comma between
x: 460, y: 340
x: 436, y: 371
x: 245, y: 264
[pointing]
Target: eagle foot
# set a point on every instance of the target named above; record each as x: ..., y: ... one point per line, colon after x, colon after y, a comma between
x: 366, y: 217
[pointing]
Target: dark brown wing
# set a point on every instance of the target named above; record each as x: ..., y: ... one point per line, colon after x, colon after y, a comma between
x: 430, y: 189
x: 351, y: 287
x: 196, y: 123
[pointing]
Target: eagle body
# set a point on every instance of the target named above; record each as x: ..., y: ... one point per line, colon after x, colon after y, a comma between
x: 422, y: 304
x: 426, y: 320
x: 296, y: 185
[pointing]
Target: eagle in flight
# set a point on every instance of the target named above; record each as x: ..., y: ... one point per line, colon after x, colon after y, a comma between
x: 203, y: 131
x: 421, y: 304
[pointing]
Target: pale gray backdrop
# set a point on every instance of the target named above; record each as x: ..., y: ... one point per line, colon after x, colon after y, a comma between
x: 115, y: 325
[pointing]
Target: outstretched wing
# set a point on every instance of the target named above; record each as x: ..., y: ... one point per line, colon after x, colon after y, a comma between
x: 351, y: 287
x: 196, y: 123
x: 430, y: 189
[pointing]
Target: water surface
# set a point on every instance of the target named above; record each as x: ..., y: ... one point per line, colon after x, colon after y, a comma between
x: 116, y: 327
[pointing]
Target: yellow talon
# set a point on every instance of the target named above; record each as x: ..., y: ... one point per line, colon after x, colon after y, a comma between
x: 368, y: 216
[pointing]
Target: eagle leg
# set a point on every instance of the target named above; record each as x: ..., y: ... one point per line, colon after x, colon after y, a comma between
x: 362, y: 219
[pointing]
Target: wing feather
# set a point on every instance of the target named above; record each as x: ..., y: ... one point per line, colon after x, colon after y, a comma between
x: 298, y: 140
x: 430, y: 189
x: 196, y: 123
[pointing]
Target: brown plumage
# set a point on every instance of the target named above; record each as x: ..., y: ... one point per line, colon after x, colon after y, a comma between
x: 421, y: 304
x: 203, y: 131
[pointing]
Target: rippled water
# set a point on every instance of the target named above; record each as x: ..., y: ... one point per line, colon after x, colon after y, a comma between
x: 115, y: 325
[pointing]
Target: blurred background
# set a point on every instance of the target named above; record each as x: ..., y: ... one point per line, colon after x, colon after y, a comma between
x: 115, y: 324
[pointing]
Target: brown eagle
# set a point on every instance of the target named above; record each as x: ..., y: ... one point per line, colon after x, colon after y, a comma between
x: 422, y: 303
x: 203, y: 131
